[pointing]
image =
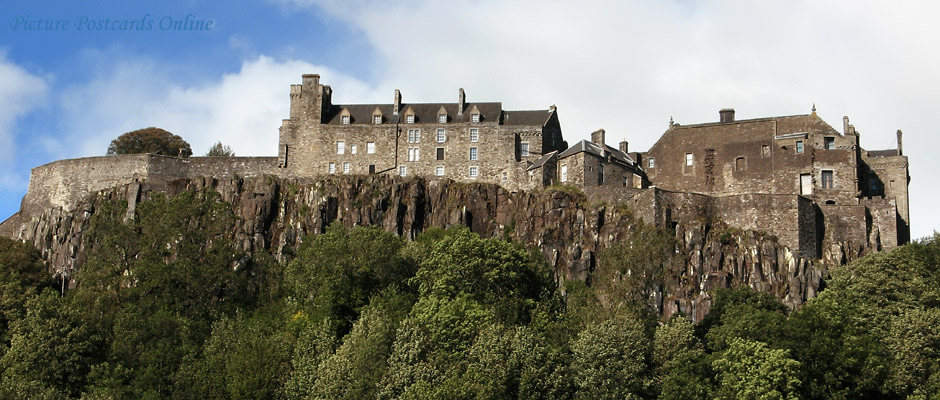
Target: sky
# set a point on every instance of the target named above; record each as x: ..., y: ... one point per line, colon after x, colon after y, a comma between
x: 76, y: 74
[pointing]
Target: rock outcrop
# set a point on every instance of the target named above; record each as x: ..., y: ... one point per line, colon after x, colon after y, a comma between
x: 275, y: 214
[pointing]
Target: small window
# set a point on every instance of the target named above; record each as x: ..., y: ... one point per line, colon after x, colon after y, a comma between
x: 345, y: 167
x: 413, y: 154
x: 474, y: 135
x: 829, y: 143
x: 439, y: 170
x: 370, y: 147
x: 564, y: 173
x: 402, y: 171
x: 376, y: 119
x: 353, y: 149
x: 799, y: 147
x: 474, y: 117
x: 473, y: 154
x: 651, y: 163
x: 414, y: 136
x: 826, y: 179
x: 689, y: 159
x: 332, y: 168
x: 340, y: 147
x: 441, y: 135
x: 410, y: 119
x: 625, y: 181
x: 765, y: 151
x: 344, y: 120
x: 440, y: 153
x: 442, y: 118
x: 524, y: 149
x: 740, y: 164
x: 505, y: 176
x: 474, y: 172
x: 371, y: 169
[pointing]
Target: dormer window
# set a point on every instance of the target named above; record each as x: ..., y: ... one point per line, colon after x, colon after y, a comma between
x: 474, y: 117
x: 376, y: 116
x: 410, y: 119
x: 344, y: 119
x: 442, y: 118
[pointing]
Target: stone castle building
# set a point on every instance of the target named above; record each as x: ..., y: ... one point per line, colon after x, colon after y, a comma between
x: 793, y: 176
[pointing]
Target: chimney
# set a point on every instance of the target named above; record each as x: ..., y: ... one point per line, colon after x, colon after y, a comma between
x: 900, y: 147
x: 461, y: 100
x: 726, y: 115
x: 397, y: 102
x: 623, y: 146
x: 598, y: 137
x: 845, y: 125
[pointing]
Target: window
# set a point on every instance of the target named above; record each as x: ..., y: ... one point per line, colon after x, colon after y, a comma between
x: 799, y: 147
x: 474, y: 135
x: 345, y: 167
x: 376, y: 119
x: 402, y: 171
x: 505, y: 176
x: 806, y: 184
x: 441, y: 135
x: 564, y: 173
x: 440, y: 153
x: 625, y: 181
x: 344, y: 120
x: 689, y: 159
x: 826, y: 179
x: 340, y: 147
x: 442, y: 118
x: 474, y: 172
x: 332, y: 168
x: 740, y: 164
x: 765, y: 151
x: 353, y: 149
x: 829, y: 143
x: 414, y: 154
x: 439, y: 170
x: 651, y: 163
x: 370, y: 147
x: 410, y: 119
x: 414, y: 136
x: 474, y: 117
x: 473, y: 154
x: 524, y: 149
x: 600, y: 174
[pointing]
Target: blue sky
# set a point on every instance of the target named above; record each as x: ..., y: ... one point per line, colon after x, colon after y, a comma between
x: 625, y: 66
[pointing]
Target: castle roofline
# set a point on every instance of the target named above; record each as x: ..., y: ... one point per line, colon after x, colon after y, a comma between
x: 587, y: 146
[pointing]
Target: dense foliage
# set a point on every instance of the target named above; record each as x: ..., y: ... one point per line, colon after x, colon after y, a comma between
x: 168, y: 307
x: 220, y: 150
x: 150, y: 140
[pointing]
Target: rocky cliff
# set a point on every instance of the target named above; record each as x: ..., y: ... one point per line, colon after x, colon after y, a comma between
x: 568, y: 229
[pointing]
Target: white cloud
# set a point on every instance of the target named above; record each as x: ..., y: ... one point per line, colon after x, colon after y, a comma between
x: 241, y: 109
x: 20, y: 93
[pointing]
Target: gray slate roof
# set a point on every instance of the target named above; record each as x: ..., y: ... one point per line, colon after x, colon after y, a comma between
x: 427, y: 113
x: 590, y: 147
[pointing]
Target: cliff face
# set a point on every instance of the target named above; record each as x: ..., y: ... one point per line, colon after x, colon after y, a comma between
x: 274, y: 214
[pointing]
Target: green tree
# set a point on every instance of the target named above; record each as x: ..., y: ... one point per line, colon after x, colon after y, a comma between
x: 631, y: 271
x: 150, y: 140
x: 611, y: 360
x: 220, y: 150
x: 751, y: 370
x: 22, y: 275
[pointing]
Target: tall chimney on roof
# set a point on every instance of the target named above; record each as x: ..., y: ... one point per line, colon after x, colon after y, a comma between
x: 397, y: 102
x: 726, y: 115
x: 624, y: 146
x: 462, y: 99
x: 845, y: 125
x: 598, y: 137
x: 900, y: 147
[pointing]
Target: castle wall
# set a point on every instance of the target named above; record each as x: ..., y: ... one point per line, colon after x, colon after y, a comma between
x: 891, y: 177
x: 885, y: 221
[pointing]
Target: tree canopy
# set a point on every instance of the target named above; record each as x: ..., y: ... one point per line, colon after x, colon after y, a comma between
x: 220, y: 150
x: 150, y: 140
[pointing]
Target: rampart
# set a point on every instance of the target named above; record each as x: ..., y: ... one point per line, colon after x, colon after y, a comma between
x: 65, y: 183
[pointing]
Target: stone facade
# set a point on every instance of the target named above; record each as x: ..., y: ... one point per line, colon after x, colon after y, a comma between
x: 463, y: 141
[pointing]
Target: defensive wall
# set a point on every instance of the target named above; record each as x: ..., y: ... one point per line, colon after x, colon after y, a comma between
x: 65, y: 183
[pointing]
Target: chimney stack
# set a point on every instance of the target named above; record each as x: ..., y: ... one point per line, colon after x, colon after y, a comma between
x: 598, y: 137
x: 845, y: 125
x: 624, y: 146
x: 461, y: 101
x: 397, y: 102
x: 726, y: 115
x: 900, y: 147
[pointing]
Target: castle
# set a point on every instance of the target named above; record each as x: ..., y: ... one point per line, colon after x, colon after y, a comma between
x: 794, y: 176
